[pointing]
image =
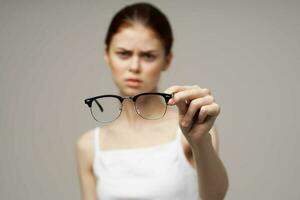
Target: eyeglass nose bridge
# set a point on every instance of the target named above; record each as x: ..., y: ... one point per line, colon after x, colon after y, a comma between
x: 133, y: 98
x: 128, y: 97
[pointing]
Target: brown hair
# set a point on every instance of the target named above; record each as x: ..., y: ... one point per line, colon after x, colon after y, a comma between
x: 146, y: 14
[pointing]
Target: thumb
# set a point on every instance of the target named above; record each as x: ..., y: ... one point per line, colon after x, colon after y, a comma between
x: 181, y: 104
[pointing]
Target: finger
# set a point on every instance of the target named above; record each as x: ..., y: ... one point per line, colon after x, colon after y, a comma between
x: 190, y: 94
x: 182, y: 98
x: 194, y: 106
x: 211, y: 110
x: 176, y: 88
x: 182, y: 106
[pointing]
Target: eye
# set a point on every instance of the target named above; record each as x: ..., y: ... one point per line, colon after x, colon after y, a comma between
x: 123, y: 54
x: 149, y: 57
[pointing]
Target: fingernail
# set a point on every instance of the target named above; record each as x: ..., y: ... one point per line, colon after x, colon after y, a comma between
x: 171, y: 101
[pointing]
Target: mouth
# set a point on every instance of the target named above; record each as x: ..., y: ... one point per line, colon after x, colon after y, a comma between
x: 131, y: 82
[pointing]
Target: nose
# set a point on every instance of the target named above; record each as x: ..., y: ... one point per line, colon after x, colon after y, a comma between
x: 135, y: 64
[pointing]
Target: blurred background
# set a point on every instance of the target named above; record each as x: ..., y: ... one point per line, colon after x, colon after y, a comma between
x: 51, y: 58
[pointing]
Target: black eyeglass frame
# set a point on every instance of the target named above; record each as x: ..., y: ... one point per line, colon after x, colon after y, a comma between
x: 90, y: 100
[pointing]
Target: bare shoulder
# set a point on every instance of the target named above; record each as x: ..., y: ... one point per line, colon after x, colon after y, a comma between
x: 85, y: 147
x: 84, y: 157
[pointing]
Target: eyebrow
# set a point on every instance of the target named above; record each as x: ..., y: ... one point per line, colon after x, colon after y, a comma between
x: 148, y: 51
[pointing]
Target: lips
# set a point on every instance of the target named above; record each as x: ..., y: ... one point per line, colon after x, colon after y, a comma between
x: 132, y: 82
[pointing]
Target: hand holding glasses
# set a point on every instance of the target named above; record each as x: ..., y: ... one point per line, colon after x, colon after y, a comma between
x: 149, y: 105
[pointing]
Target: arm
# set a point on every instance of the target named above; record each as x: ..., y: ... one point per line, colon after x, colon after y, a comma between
x: 84, y: 158
x: 212, y: 176
x: 197, y: 114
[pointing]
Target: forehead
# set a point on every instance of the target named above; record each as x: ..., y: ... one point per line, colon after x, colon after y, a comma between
x: 136, y: 37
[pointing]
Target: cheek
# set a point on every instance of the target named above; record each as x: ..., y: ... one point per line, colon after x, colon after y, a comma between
x: 117, y: 68
x: 117, y: 73
x: 153, y: 73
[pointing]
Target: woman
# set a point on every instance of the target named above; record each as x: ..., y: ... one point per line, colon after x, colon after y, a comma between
x: 175, y: 157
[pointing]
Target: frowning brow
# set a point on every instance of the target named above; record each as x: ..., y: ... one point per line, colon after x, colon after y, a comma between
x: 147, y: 51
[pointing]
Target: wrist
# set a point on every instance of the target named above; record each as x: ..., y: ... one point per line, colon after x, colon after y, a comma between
x: 203, y: 143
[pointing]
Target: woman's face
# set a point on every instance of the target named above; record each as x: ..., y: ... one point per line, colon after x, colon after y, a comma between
x: 136, y: 53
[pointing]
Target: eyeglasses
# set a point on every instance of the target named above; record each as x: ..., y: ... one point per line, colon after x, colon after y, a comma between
x: 149, y: 105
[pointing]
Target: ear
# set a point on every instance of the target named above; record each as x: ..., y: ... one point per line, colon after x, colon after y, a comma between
x: 168, y: 61
x: 106, y: 56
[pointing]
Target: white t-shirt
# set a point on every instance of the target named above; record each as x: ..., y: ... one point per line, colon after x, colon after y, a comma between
x: 160, y: 172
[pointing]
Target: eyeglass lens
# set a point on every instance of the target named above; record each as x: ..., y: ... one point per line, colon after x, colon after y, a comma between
x: 106, y: 109
x: 151, y: 106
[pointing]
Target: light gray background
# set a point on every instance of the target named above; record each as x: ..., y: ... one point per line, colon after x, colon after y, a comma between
x: 245, y: 52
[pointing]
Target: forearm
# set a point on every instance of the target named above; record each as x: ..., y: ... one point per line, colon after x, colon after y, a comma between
x: 212, y: 176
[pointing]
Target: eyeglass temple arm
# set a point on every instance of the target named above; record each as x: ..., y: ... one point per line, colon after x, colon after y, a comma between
x: 99, y: 105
